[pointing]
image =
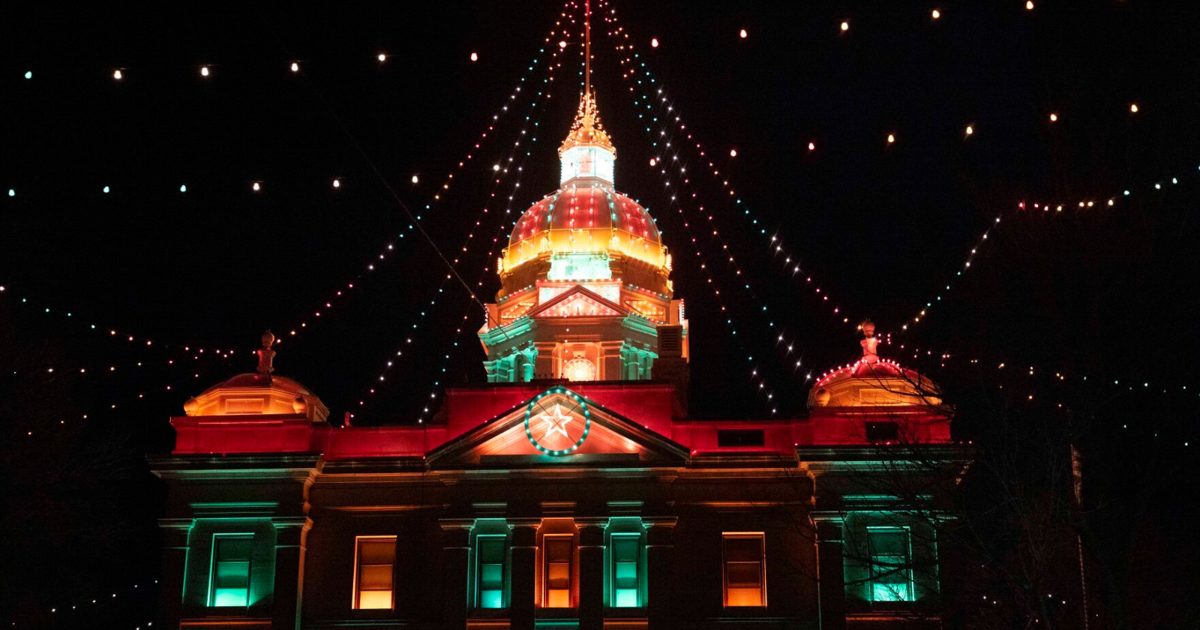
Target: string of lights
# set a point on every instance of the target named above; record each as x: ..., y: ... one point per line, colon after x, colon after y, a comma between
x: 1084, y: 204
x: 662, y: 143
x: 64, y: 613
x: 446, y: 185
x: 777, y: 248
x: 502, y: 169
x: 496, y: 241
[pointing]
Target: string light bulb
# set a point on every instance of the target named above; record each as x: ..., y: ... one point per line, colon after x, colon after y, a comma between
x: 183, y: 188
x: 733, y: 153
x: 1053, y: 117
x: 654, y: 42
x: 415, y: 179
x: 891, y: 138
x: 29, y: 74
x: 743, y: 34
x: 812, y: 146
x: 474, y: 56
x: 1029, y: 5
x: 337, y: 183
x: 845, y: 26
x: 256, y: 187
x: 970, y: 130
x: 1133, y: 108
x: 203, y: 71
x: 562, y: 44
x: 117, y: 75
x: 936, y: 14
x: 381, y: 57
x: 295, y: 67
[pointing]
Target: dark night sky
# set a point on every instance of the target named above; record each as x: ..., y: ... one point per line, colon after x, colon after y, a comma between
x: 879, y: 227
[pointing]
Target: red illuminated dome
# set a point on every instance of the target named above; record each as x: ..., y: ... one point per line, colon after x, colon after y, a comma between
x: 589, y: 218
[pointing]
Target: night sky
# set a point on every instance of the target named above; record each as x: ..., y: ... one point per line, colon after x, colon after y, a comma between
x: 880, y: 228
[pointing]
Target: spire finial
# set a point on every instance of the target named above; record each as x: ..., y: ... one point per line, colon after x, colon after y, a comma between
x: 869, y: 342
x: 266, y: 355
x: 587, y: 47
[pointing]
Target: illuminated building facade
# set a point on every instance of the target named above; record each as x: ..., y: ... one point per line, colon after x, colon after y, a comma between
x: 571, y: 491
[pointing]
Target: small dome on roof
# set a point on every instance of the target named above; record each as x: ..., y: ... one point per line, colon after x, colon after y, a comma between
x: 873, y: 382
x: 258, y: 394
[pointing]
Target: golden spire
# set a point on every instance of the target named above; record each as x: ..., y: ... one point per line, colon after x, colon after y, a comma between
x: 587, y: 130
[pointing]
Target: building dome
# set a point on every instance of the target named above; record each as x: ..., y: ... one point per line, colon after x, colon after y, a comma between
x: 873, y: 382
x: 585, y: 218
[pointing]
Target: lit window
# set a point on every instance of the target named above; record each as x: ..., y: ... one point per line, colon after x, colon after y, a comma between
x: 230, y: 576
x: 626, y: 556
x: 374, y: 569
x: 490, y: 552
x: 891, y: 571
x: 559, y: 552
x: 745, y: 579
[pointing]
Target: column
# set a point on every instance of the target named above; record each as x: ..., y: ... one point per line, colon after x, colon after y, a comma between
x: 660, y: 575
x: 543, y: 366
x: 591, y: 574
x: 174, y: 563
x: 524, y: 572
x: 456, y: 547
x: 831, y: 587
x: 286, y: 611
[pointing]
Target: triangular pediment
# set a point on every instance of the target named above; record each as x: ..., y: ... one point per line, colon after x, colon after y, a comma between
x: 578, y: 301
x: 558, y: 427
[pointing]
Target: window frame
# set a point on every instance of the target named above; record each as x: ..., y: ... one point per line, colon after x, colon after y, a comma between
x: 761, y: 537
x: 480, y: 539
x: 355, y: 593
x: 905, y: 569
x: 570, y: 589
x: 217, y: 538
x: 639, y: 563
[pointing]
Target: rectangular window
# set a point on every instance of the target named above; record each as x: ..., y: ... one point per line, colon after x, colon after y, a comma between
x: 230, y: 577
x: 559, y: 552
x: 745, y: 577
x: 626, y: 560
x: 891, y: 571
x: 375, y: 561
x: 490, y: 553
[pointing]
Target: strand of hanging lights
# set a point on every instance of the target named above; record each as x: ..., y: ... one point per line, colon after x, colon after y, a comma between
x: 501, y: 172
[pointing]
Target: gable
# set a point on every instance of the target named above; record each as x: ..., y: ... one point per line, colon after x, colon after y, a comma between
x: 579, y: 302
x: 554, y: 428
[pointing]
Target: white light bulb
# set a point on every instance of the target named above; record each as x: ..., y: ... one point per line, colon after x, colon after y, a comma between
x: 204, y: 71
x: 474, y: 56
x: 337, y: 184
x: 295, y: 67
x: 845, y: 26
x: 382, y: 57
x: 654, y: 43
x: 415, y: 179
x: 117, y: 74
x: 936, y: 14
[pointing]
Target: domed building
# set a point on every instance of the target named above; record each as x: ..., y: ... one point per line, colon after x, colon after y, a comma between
x: 586, y: 291
x: 573, y: 489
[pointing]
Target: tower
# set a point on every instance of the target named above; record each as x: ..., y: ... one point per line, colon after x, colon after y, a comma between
x: 585, y: 293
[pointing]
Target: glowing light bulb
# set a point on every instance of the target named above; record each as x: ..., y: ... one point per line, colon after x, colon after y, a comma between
x: 382, y: 57
x: 29, y: 74
x: 183, y: 188
x: 117, y: 75
x: 203, y: 71
x: 654, y: 43
x: 653, y: 161
x: 891, y: 138
x: 970, y: 130
x: 1029, y: 5
x: 295, y: 67
x: 256, y: 187
x: 936, y: 14
x: 1053, y: 117
x: 474, y: 56
x: 415, y: 179
x: 562, y: 44
x: 12, y: 193
x: 733, y: 153
x: 337, y: 183
x: 106, y: 190
x: 496, y: 167
x: 743, y: 34
x: 845, y: 26
x: 812, y: 146
x: 1133, y: 109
